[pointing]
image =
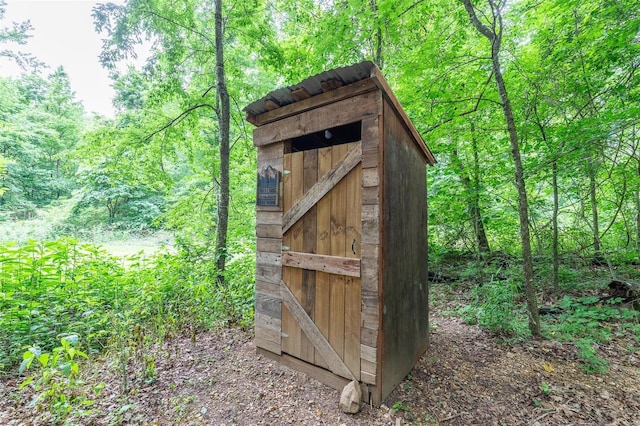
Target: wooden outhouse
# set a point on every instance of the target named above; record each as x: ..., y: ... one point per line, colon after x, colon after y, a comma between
x: 341, y: 224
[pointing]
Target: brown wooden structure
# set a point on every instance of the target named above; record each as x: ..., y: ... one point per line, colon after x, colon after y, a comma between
x: 341, y: 268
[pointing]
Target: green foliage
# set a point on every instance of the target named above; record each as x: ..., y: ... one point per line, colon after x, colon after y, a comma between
x: 589, y: 318
x: 592, y: 362
x: 399, y: 406
x: 493, y: 306
x: 109, y: 198
x: 41, y: 122
x: 57, y: 288
x: 589, y: 321
x: 56, y: 381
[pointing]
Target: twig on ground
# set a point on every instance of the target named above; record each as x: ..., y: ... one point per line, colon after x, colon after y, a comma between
x: 446, y: 419
x: 545, y: 415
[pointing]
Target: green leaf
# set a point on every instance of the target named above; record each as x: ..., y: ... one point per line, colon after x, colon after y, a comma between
x: 25, y: 364
x: 44, y: 359
x: 66, y: 369
x: 26, y: 382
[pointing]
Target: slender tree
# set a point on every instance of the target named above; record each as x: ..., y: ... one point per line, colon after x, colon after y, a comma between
x: 494, y: 33
x: 223, y: 126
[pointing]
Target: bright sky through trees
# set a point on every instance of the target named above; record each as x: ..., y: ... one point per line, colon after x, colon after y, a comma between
x: 64, y: 35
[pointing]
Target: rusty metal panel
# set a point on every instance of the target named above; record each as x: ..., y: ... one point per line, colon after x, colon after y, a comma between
x: 314, y: 85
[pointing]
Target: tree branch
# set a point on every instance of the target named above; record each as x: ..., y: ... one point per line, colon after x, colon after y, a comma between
x: 184, y: 27
x: 482, y: 28
x: 409, y: 8
x: 178, y: 119
x: 474, y: 109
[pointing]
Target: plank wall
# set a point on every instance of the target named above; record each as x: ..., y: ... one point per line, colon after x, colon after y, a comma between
x: 268, y: 315
x: 404, y: 252
x: 370, y: 250
x: 362, y: 323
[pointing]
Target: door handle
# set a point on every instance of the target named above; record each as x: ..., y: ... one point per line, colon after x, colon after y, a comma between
x: 353, y: 246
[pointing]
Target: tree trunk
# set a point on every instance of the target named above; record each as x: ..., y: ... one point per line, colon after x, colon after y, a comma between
x: 377, y: 43
x: 556, y: 203
x: 554, y: 219
x: 637, y: 194
x: 472, y: 199
x: 637, y: 199
x: 594, y: 211
x: 481, y: 235
x: 223, y: 125
x: 523, y: 205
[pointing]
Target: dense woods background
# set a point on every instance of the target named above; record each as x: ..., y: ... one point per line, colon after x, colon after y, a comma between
x: 531, y: 108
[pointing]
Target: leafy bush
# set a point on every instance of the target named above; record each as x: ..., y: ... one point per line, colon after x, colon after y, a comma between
x: 56, y: 380
x: 493, y: 307
x: 52, y: 289
x: 589, y: 321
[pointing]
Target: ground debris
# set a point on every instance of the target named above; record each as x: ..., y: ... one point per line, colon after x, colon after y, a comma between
x: 466, y: 378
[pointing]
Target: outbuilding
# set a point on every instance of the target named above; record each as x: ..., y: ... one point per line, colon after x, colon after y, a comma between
x: 341, y: 225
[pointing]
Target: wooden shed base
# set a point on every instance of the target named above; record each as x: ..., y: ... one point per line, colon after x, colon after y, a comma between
x: 320, y: 374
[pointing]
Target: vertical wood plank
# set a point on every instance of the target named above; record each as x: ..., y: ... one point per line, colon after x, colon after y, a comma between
x: 352, y: 284
x: 338, y: 242
x: 287, y: 319
x: 308, y: 295
x: 297, y: 244
x: 323, y: 246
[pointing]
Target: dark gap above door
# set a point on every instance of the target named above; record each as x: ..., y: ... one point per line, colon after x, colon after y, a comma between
x: 338, y: 135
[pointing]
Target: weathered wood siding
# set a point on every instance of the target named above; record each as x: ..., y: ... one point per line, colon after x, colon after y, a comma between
x: 341, y: 264
x: 404, y: 252
x: 268, y: 315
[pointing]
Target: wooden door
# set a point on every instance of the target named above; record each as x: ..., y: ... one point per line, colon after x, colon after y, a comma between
x: 321, y: 288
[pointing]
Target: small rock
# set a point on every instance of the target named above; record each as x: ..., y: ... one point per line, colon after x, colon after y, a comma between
x: 398, y: 421
x: 350, y: 398
x: 408, y: 416
x: 384, y: 407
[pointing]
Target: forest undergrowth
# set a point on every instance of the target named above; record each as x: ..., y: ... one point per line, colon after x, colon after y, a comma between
x: 66, y: 304
x: 582, y: 310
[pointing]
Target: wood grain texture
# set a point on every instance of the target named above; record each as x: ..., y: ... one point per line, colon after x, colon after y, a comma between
x: 268, y: 334
x: 370, y: 177
x: 296, y: 232
x: 270, y: 152
x: 268, y: 218
x: 323, y: 247
x: 268, y: 231
x: 370, y: 143
x: 267, y: 305
x: 336, y: 364
x: 342, y: 112
x: 354, y: 89
x: 270, y: 289
x: 321, y: 262
x: 339, y: 170
x: 338, y: 241
x: 353, y: 284
x: 404, y: 244
x: 371, y: 224
x: 269, y: 273
x: 287, y: 320
x: 309, y: 221
x: 269, y: 245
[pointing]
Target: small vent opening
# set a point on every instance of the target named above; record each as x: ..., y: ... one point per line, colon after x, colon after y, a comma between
x: 351, y: 132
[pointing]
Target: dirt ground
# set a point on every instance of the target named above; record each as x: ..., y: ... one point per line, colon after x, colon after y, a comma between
x: 467, y: 377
